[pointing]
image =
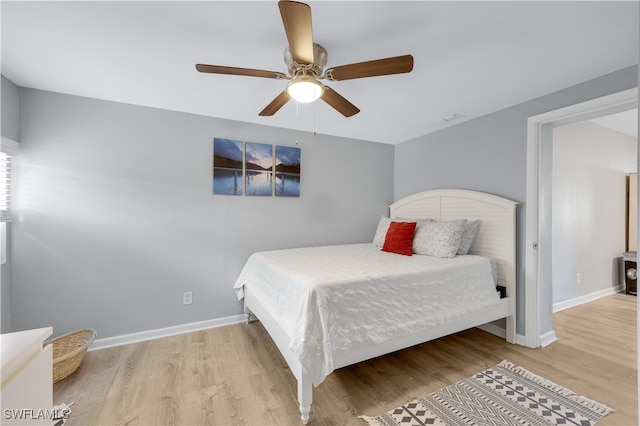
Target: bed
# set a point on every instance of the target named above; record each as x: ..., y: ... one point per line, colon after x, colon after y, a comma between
x: 333, y: 306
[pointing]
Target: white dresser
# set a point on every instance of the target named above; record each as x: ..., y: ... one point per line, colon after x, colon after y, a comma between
x: 27, y: 378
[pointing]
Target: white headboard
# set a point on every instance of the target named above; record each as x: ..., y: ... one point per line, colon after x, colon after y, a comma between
x: 496, y: 237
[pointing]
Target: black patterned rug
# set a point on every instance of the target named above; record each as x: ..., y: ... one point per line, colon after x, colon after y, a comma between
x: 501, y: 395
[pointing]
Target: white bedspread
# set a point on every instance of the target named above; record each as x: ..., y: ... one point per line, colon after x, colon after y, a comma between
x: 333, y: 299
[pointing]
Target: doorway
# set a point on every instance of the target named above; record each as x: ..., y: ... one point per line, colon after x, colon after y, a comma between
x: 538, y: 233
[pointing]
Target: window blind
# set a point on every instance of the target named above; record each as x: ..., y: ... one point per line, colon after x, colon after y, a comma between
x: 5, y: 183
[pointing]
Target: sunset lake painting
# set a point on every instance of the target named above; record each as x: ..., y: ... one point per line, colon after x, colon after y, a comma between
x: 258, y: 159
x: 287, y: 171
x: 227, y: 166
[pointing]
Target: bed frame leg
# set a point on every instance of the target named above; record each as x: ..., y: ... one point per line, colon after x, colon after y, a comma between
x: 304, y: 397
x: 304, y: 413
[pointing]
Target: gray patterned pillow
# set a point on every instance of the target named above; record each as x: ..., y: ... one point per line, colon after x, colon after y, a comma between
x: 438, y: 239
x: 469, y: 231
x: 383, y: 227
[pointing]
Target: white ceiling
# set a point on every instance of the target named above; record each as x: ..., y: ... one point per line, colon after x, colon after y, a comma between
x: 623, y: 122
x: 471, y: 58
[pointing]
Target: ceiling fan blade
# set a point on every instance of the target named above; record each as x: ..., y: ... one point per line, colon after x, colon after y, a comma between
x: 387, y: 66
x: 218, y: 69
x: 339, y: 103
x: 296, y: 18
x: 275, y: 104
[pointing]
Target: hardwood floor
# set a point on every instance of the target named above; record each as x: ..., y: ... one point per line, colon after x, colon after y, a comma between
x: 235, y: 375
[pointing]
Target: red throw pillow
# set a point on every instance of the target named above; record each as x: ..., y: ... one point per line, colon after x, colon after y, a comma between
x: 399, y: 238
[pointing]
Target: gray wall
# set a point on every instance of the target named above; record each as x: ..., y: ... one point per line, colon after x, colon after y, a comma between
x: 590, y: 166
x: 10, y: 127
x: 489, y: 154
x: 10, y: 102
x: 116, y: 218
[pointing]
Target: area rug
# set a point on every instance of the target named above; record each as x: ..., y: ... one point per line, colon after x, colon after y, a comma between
x: 501, y: 395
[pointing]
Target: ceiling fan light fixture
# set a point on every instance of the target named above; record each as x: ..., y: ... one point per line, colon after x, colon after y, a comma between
x: 304, y: 89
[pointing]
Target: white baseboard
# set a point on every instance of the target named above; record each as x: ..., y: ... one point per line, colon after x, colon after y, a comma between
x: 142, y: 336
x: 548, y: 338
x: 493, y: 329
x: 545, y: 339
x: 500, y: 332
x: 557, y: 307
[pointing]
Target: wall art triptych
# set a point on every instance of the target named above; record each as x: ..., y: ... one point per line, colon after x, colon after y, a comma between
x: 253, y: 168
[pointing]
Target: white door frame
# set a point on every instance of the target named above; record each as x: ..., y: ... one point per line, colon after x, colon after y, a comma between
x: 538, y: 296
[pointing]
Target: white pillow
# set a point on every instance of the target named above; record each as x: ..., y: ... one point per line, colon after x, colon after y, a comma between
x: 383, y: 227
x: 469, y: 231
x: 381, y: 231
x: 439, y: 239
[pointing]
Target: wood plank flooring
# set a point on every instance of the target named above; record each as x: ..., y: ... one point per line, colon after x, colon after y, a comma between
x: 235, y: 375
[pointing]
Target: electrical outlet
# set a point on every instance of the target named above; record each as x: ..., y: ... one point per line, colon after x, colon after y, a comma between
x: 187, y: 298
x: 578, y: 278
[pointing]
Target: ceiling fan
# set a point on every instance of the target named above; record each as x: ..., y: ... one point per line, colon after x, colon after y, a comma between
x: 305, y: 61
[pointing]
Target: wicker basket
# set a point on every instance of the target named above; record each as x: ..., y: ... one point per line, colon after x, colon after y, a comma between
x: 68, y: 351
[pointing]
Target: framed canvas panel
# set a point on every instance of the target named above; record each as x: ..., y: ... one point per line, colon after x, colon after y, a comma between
x: 258, y: 159
x: 227, y: 166
x: 287, y: 180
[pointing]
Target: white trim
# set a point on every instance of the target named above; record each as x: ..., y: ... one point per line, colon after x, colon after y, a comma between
x: 143, y: 336
x: 571, y: 303
x: 538, y: 232
x: 531, y: 308
x: 548, y: 338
